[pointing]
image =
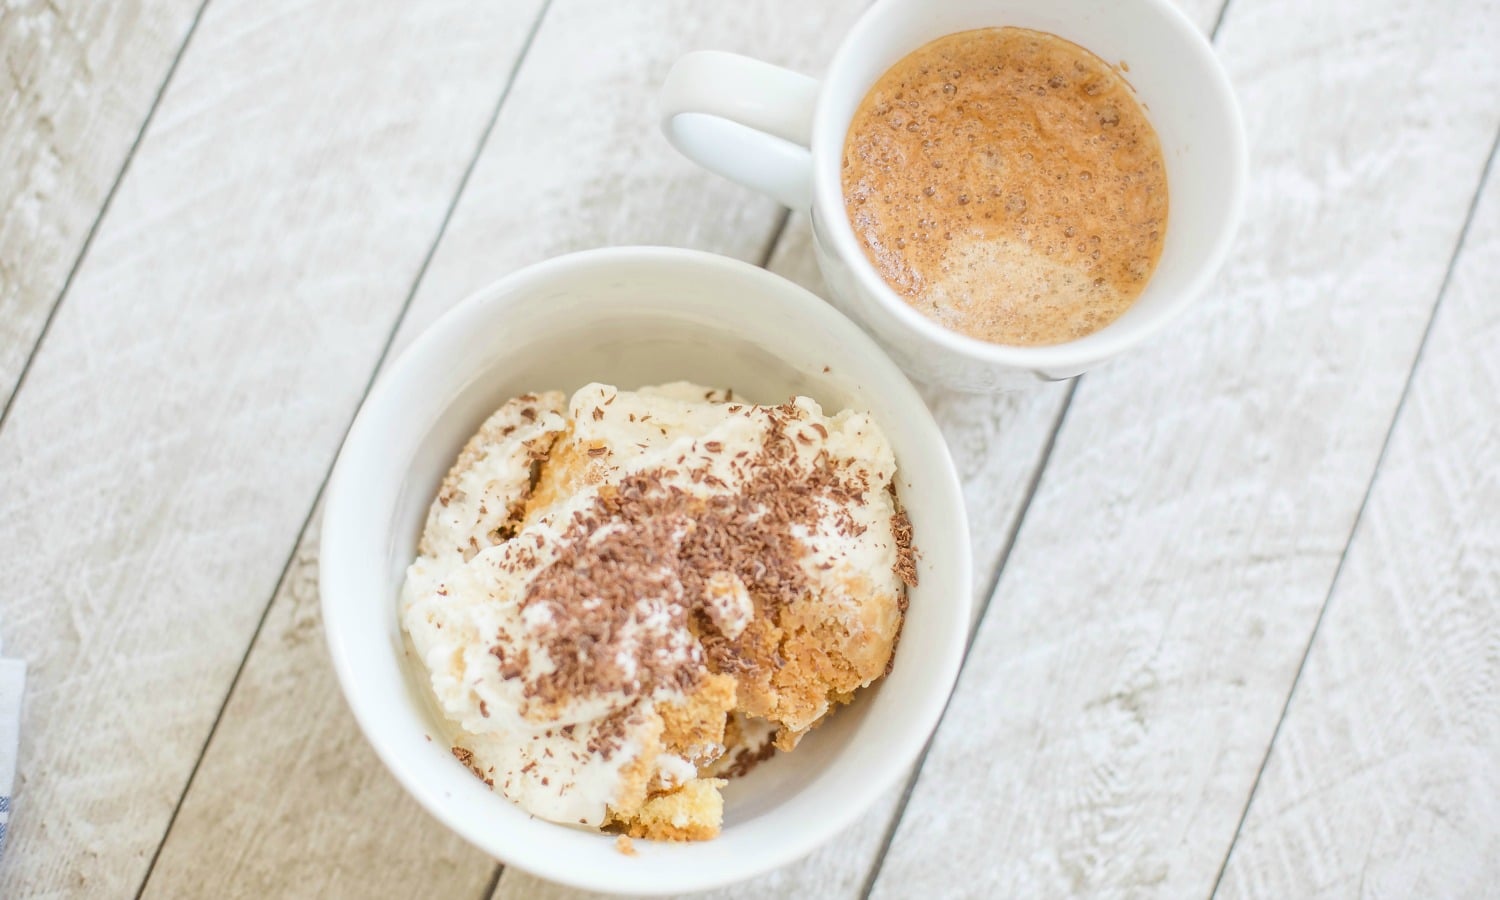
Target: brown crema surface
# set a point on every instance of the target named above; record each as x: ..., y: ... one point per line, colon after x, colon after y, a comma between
x: 1006, y: 183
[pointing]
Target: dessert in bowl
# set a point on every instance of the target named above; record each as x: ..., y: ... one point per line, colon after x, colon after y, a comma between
x: 633, y: 318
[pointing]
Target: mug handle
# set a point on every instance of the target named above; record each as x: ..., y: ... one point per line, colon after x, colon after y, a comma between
x: 744, y: 119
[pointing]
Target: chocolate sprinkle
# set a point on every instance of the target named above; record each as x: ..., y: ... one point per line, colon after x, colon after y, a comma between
x: 906, y: 556
x: 645, y: 548
x: 746, y: 760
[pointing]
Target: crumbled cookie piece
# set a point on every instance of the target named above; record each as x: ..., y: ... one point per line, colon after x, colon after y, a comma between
x: 693, y: 812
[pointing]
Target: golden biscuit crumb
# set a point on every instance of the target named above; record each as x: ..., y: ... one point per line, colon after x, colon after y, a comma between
x: 625, y: 845
x: 693, y: 812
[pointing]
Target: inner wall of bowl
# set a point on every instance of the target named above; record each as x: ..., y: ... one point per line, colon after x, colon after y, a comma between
x: 1172, y: 77
x: 646, y: 328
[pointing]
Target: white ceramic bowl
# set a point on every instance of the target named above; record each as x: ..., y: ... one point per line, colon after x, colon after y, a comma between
x: 634, y: 316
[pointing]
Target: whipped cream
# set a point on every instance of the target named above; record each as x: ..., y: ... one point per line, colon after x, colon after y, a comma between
x: 603, y: 584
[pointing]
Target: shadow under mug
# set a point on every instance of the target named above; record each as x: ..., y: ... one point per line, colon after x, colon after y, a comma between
x: 782, y: 133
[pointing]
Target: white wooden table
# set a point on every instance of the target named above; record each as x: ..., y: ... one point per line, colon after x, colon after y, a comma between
x: 1238, y: 624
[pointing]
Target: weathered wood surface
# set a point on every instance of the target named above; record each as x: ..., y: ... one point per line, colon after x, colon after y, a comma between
x: 1149, y: 623
x: 1150, y: 620
x: 76, y: 83
x: 1385, y: 777
x: 193, y: 388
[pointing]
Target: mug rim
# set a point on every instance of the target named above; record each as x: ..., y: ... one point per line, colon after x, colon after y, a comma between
x: 831, y: 220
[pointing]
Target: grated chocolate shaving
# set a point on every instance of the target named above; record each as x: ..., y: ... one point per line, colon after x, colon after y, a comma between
x: 906, y: 556
x: 748, y: 759
x: 659, y: 564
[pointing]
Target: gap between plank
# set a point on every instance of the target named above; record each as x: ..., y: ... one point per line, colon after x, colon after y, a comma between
x: 1385, y: 446
x: 109, y: 197
x: 984, y: 608
x: 494, y: 885
x: 1010, y: 543
x: 385, y: 350
x: 776, y: 232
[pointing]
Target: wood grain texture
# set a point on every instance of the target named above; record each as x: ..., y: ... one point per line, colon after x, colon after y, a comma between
x: 76, y: 82
x: 578, y: 160
x: 75, y: 86
x: 549, y: 180
x: 290, y: 800
x: 193, y: 388
x: 1384, y: 780
x: 1146, y: 630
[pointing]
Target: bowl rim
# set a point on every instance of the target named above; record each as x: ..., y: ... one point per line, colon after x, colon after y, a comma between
x: 361, y: 442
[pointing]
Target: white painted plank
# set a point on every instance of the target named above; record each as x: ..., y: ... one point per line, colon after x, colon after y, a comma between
x: 1384, y: 780
x: 192, y: 390
x: 290, y: 801
x: 590, y: 172
x: 76, y: 81
x: 578, y: 160
x: 1144, y: 636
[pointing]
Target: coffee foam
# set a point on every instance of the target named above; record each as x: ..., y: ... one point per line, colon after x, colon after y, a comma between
x: 1007, y: 184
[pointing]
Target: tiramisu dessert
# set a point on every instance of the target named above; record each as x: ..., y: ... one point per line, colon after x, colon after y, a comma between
x: 625, y: 598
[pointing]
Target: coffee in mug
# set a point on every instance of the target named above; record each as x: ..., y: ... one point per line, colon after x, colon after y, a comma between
x: 785, y: 135
x: 1007, y: 184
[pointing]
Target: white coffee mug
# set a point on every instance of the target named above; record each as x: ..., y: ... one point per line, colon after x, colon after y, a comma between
x: 783, y: 133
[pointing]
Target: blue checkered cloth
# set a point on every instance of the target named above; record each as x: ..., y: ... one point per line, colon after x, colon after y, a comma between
x: 12, y: 683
